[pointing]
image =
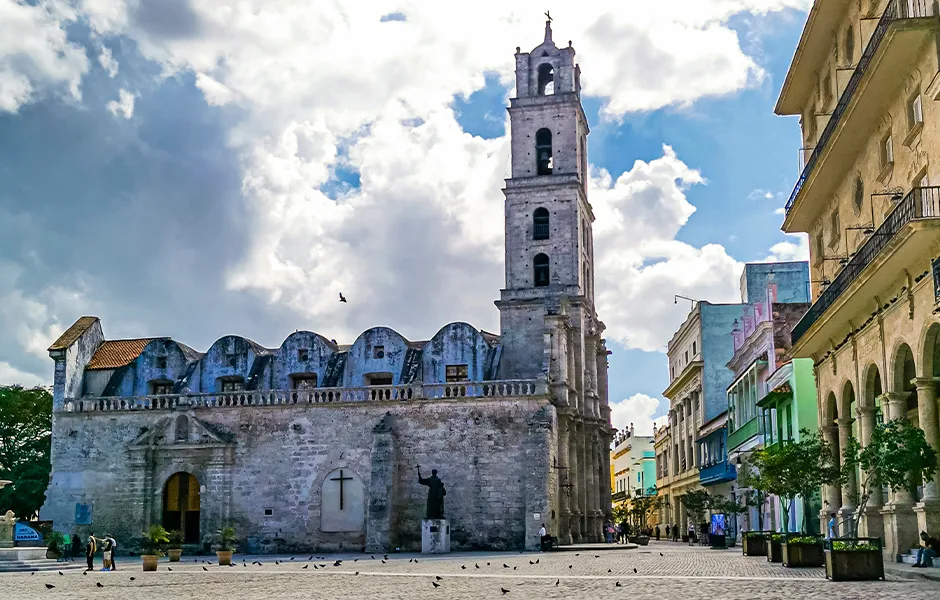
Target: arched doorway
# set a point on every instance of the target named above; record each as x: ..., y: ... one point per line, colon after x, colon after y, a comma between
x: 904, y: 372
x: 181, y: 506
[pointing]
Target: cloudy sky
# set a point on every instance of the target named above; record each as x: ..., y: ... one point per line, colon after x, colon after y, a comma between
x: 198, y: 168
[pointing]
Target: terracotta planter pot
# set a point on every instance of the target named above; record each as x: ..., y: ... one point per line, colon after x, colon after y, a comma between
x: 803, y: 555
x: 854, y: 565
x: 225, y: 557
x: 150, y: 561
x: 175, y: 554
x: 774, y: 551
x: 754, y: 544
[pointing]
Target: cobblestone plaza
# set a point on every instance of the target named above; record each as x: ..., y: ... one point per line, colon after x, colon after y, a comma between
x: 681, y: 572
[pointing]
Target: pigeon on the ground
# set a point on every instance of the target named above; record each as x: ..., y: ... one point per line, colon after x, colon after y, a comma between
x: 505, y: 566
x: 569, y: 566
x: 205, y: 569
x: 557, y: 581
x: 536, y: 561
x: 292, y: 558
x: 464, y: 567
x: 372, y: 557
x: 609, y: 571
x: 356, y: 573
x: 133, y: 578
x: 61, y: 573
x: 304, y: 567
x: 476, y: 565
x: 438, y: 577
x: 617, y: 584
x: 504, y: 591
x: 661, y: 554
x: 98, y: 584
x: 634, y: 569
x: 49, y: 586
x: 435, y: 584
x: 169, y: 569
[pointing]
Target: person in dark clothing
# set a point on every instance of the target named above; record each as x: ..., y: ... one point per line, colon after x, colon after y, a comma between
x: 668, y: 531
x: 703, y: 533
x: 90, y: 548
x: 675, y: 532
x: 657, y: 532
x: 929, y: 548
x: 76, y: 545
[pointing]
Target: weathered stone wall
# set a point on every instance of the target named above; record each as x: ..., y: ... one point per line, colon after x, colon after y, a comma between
x: 494, y: 456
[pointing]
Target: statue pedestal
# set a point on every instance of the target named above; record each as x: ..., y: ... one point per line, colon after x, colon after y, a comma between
x: 435, y: 536
x: 7, y: 525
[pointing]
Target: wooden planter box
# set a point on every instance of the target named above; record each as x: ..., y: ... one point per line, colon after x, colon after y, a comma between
x: 803, y: 555
x: 774, y: 551
x: 854, y: 565
x: 754, y: 544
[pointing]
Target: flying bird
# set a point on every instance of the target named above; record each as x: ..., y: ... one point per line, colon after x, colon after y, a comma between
x: 49, y: 586
x: 342, y: 298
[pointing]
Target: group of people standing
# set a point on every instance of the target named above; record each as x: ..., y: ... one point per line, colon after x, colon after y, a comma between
x: 107, y: 545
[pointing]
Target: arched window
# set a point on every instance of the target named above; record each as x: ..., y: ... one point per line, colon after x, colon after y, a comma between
x: 540, y: 269
x: 546, y: 80
x: 540, y: 224
x: 182, y: 429
x: 543, y: 151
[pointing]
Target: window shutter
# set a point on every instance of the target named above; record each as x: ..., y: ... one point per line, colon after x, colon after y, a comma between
x: 918, y: 107
x: 889, y: 150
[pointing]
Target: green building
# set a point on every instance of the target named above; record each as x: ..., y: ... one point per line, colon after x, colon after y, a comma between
x: 788, y: 407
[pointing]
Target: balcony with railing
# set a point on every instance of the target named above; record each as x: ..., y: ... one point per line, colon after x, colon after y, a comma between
x: 897, y: 12
x: 313, y: 396
x: 920, y: 204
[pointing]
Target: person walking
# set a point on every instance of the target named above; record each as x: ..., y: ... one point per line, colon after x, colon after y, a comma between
x: 657, y: 532
x: 545, y: 540
x: 675, y: 532
x: 90, y: 548
x: 831, y: 529
x: 668, y: 531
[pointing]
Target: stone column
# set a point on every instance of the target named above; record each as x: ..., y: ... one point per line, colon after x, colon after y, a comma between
x: 832, y: 494
x: 871, y: 523
x: 900, y: 522
x: 928, y: 511
x: 574, y: 480
x: 590, y: 442
x: 604, y: 453
x: 381, y: 499
x: 850, y: 488
x: 564, y: 479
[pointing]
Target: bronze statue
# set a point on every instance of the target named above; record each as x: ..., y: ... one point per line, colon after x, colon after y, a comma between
x: 436, y: 493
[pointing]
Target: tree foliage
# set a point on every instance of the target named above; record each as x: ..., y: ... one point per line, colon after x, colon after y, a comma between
x: 753, y: 486
x: 25, y: 444
x: 696, y: 503
x: 792, y: 469
x: 898, y: 455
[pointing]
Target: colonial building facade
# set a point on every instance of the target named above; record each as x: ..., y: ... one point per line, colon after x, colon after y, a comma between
x: 865, y: 82
x: 314, y: 444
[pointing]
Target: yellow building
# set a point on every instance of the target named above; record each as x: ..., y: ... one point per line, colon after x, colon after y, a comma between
x: 633, y: 470
x: 865, y: 82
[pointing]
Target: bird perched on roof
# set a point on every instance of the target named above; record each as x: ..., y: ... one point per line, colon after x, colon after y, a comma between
x: 342, y: 298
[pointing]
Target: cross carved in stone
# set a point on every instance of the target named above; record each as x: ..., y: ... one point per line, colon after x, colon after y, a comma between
x: 341, y: 479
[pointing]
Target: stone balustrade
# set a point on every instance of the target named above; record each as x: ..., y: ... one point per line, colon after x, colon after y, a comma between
x: 378, y: 393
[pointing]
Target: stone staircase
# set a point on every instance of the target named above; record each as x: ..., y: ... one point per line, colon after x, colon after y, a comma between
x: 34, y: 565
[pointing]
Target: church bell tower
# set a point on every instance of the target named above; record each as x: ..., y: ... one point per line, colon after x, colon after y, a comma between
x: 549, y: 242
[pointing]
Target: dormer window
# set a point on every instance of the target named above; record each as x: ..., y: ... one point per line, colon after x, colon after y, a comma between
x: 303, y: 381
x: 160, y: 362
x: 378, y: 352
x: 303, y: 355
x: 230, y: 384
x: 161, y: 387
x: 455, y: 373
x: 546, y: 80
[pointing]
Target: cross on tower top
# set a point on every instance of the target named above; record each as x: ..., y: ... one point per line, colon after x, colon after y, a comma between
x: 548, y: 16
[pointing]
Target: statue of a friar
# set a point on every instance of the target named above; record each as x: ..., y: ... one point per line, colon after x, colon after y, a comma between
x: 436, y: 493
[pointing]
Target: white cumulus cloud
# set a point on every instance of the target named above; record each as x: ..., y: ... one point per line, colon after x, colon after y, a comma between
x: 123, y: 106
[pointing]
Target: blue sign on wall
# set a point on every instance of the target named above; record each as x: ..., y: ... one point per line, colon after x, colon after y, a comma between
x: 82, y: 514
x: 24, y: 533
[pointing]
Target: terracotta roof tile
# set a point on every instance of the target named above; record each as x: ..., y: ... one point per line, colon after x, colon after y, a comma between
x: 114, y: 354
x: 73, y: 333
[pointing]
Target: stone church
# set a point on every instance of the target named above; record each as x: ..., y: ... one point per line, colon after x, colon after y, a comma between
x: 314, y: 445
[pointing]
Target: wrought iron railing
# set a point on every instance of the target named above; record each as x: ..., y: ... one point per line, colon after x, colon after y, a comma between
x: 540, y: 231
x: 898, y: 9
x: 919, y: 203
